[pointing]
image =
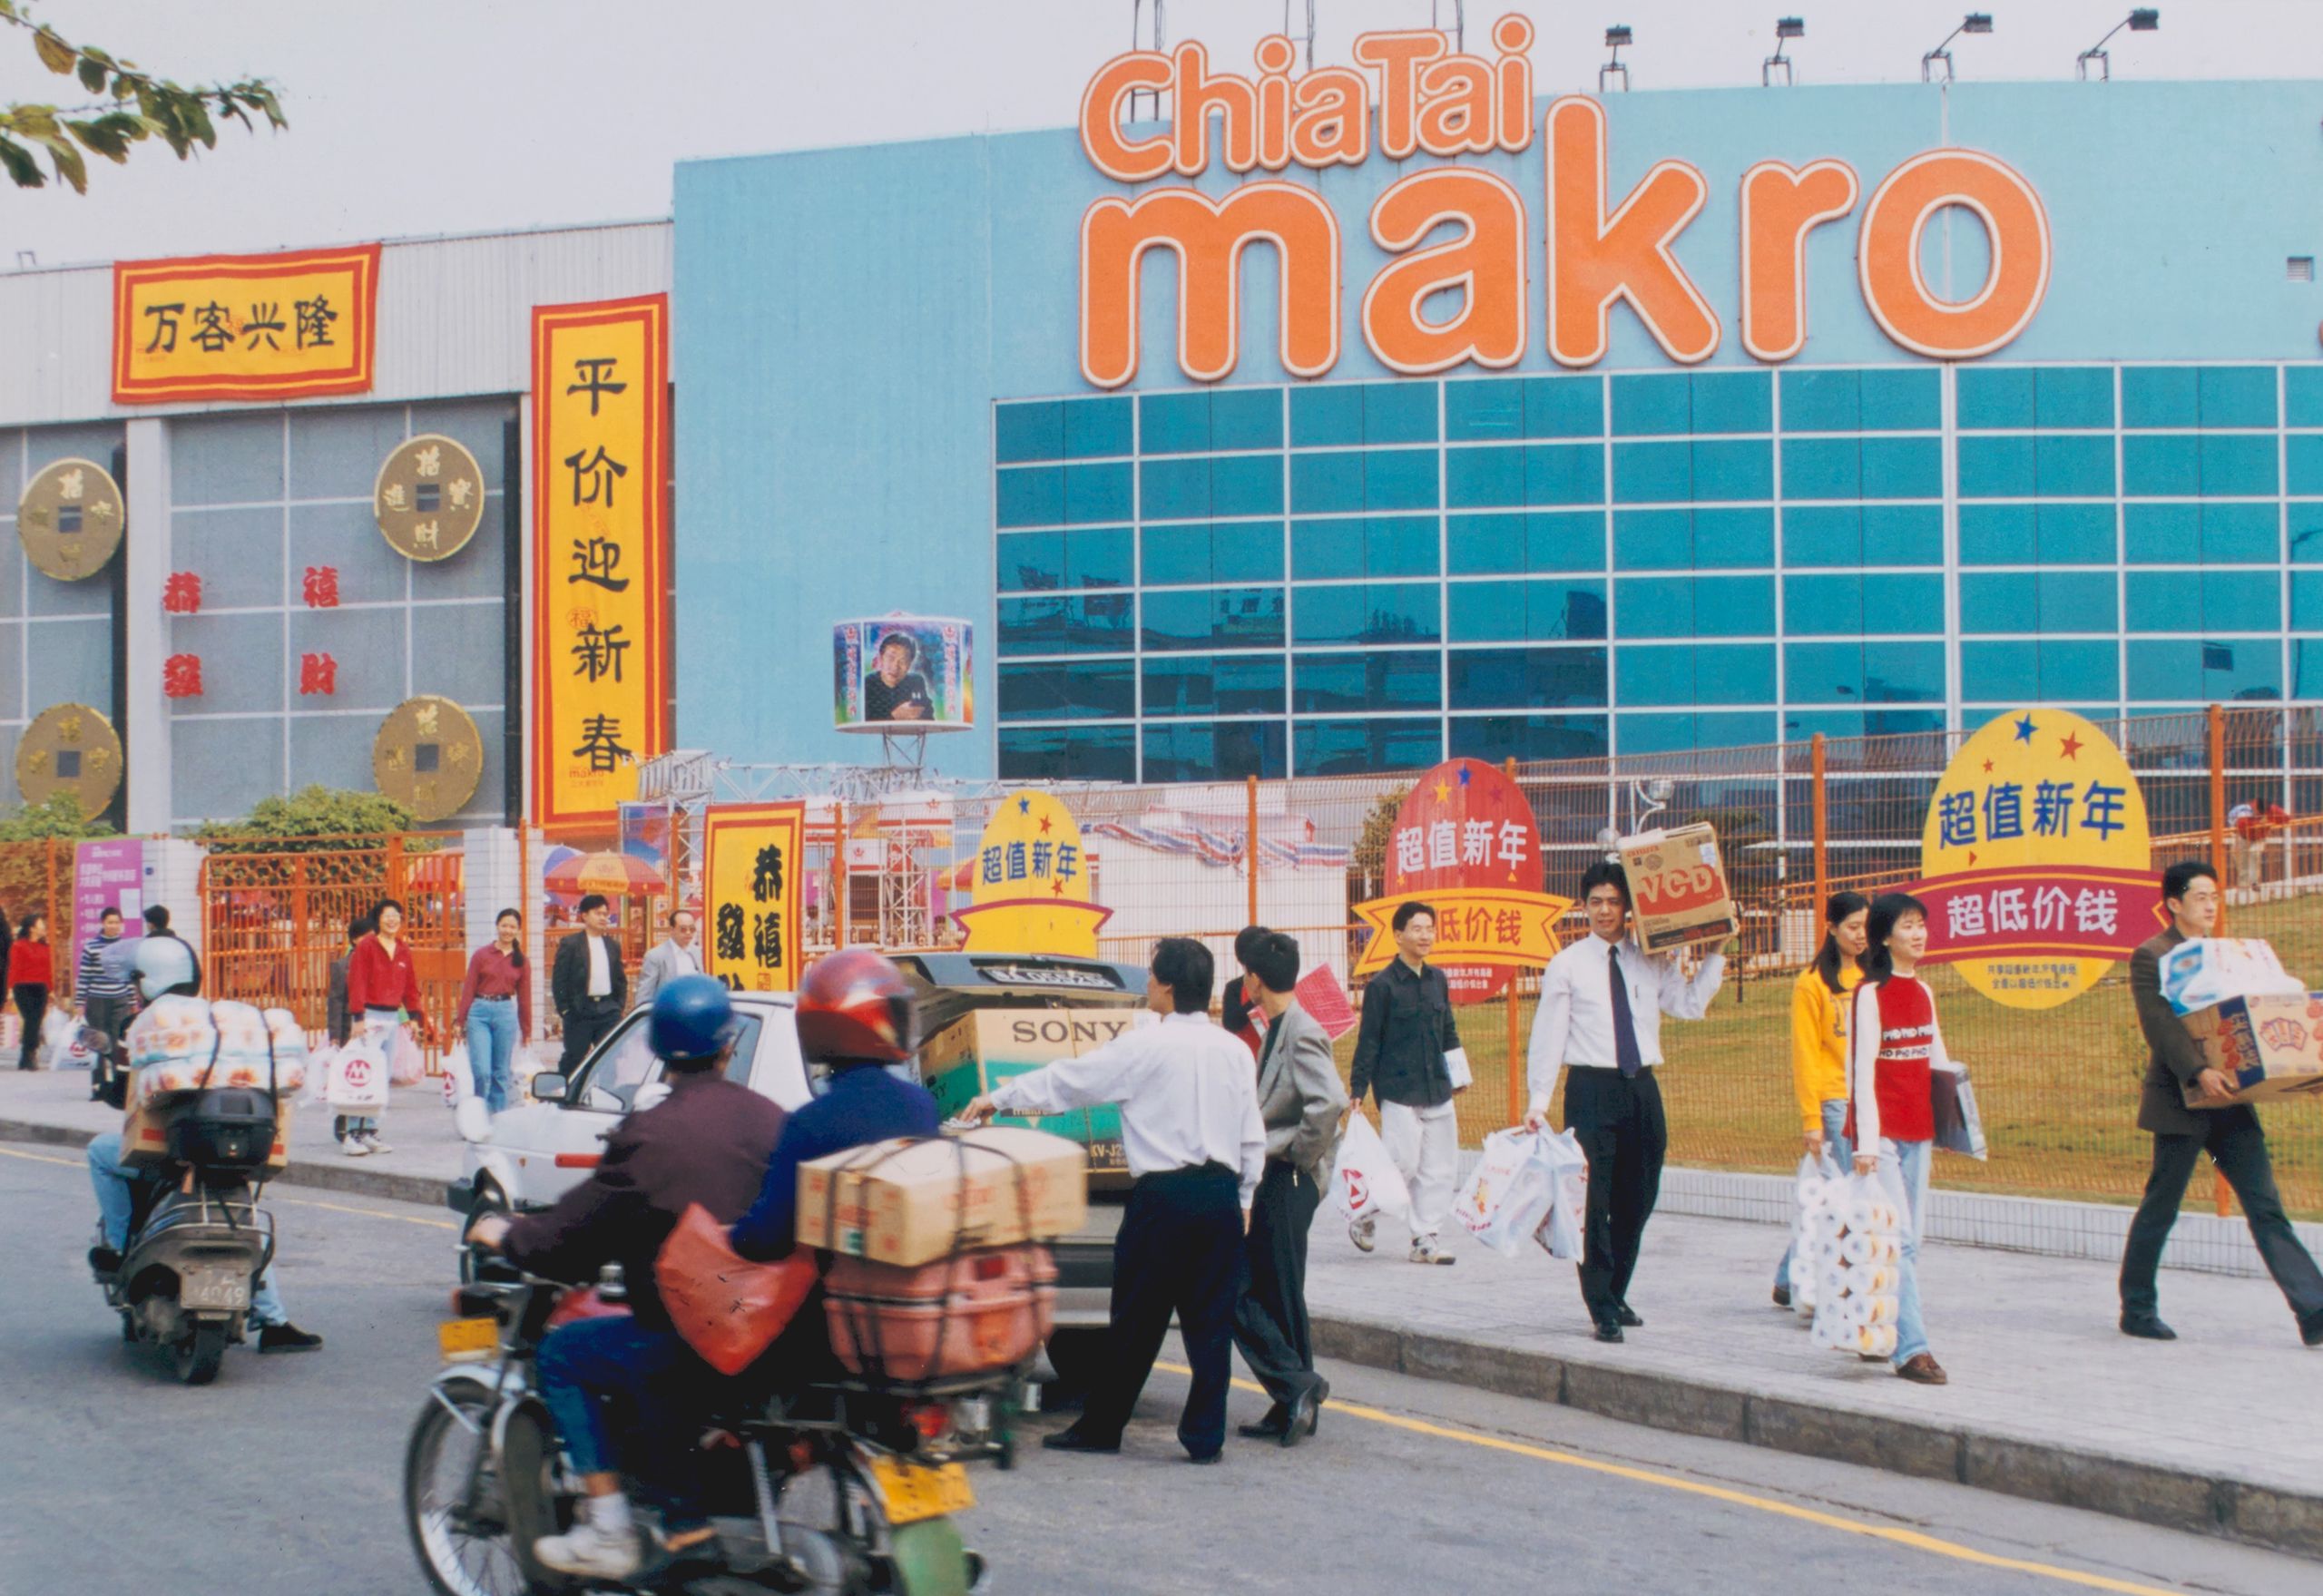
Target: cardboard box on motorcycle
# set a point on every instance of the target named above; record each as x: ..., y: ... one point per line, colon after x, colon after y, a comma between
x: 911, y: 1202
x: 145, y: 1131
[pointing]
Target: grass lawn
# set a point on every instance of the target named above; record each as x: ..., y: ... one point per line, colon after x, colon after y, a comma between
x: 2058, y: 1088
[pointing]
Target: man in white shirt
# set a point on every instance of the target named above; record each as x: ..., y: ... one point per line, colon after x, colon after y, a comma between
x: 674, y: 956
x: 1197, y: 1148
x: 1601, y: 1002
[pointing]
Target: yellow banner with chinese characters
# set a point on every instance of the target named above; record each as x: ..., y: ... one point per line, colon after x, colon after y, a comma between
x: 753, y: 869
x: 1505, y: 927
x: 245, y: 326
x: 600, y: 466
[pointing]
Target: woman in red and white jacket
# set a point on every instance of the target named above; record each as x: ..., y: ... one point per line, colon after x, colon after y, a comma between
x: 382, y: 987
x: 1892, y: 1115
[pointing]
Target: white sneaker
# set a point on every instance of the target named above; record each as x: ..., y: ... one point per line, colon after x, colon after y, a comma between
x: 373, y: 1145
x: 590, y: 1551
x: 355, y: 1146
x: 1363, y: 1232
x: 1425, y: 1250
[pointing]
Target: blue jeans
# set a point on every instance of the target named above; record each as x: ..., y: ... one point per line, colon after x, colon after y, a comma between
x: 1903, y: 1168
x: 492, y: 1049
x: 116, y: 1199
x: 656, y: 1384
x: 1835, y: 1145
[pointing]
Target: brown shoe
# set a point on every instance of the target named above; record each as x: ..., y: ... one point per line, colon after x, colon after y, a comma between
x: 1922, y: 1369
x: 1782, y: 1296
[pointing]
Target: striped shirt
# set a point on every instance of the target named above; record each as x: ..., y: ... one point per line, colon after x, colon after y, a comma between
x: 103, y: 978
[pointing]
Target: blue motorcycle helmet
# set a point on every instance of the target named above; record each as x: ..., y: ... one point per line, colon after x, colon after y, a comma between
x: 692, y: 1023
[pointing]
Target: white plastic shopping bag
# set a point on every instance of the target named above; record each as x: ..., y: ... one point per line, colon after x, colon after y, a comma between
x: 77, y: 1049
x: 1365, y: 1180
x: 459, y: 1082
x: 410, y: 1065
x: 358, y: 1079
x: 319, y: 1072
x: 1563, y: 1231
x: 1508, y: 1193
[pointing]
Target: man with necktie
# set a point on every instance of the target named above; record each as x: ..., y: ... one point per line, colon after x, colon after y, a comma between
x: 1601, y: 1002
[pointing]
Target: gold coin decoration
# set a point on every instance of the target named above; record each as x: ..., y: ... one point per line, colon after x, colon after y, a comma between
x: 429, y: 497
x: 428, y: 757
x: 70, y: 518
x: 70, y: 748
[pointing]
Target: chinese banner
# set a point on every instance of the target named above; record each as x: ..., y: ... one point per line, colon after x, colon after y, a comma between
x: 1464, y: 844
x: 1032, y: 883
x: 2036, y: 863
x: 599, y: 461
x: 245, y: 326
x: 753, y: 874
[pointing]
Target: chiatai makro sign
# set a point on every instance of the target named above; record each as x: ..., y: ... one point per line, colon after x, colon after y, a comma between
x: 2037, y: 862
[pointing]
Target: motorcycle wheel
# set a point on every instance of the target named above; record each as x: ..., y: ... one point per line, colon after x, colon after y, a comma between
x: 468, y: 1549
x: 199, y: 1354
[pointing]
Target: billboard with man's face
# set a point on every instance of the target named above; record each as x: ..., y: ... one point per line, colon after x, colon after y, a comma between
x: 902, y: 673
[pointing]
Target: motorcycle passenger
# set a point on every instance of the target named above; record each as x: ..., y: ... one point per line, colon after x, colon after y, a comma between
x: 854, y: 1014
x: 706, y: 1142
x: 166, y: 968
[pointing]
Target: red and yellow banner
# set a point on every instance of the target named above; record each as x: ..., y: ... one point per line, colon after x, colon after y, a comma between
x: 600, y: 463
x: 1495, y: 927
x: 245, y: 326
x: 752, y: 875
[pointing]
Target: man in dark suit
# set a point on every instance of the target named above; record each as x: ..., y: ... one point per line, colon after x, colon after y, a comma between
x: 2229, y: 1131
x: 1301, y: 1101
x: 588, y: 985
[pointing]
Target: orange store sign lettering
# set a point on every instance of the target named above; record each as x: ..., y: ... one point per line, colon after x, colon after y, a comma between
x: 1599, y: 246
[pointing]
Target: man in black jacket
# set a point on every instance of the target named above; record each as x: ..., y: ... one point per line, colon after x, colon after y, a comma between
x: 587, y: 984
x: 2229, y: 1131
x: 1407, y: 1028
x: 707, y: 1142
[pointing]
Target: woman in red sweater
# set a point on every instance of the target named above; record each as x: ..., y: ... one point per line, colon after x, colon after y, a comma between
x: 382, y: 987
x: 30, y: 973
x: 1892, y: 1118
x: 496, y: 1010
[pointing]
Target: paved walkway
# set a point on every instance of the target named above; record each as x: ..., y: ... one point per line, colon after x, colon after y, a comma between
x: 2047, y: 1399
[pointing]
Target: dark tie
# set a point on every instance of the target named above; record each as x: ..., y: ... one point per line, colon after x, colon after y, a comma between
x: 1625, y: 1051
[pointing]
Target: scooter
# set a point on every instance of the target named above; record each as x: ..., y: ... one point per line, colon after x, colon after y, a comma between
x: 842, y: 1489
x: 198, y: 1239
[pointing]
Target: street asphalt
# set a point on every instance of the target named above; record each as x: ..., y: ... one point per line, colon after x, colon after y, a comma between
x: 283, y: 1479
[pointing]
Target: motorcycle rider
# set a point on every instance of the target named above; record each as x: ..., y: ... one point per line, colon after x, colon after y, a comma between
x: 166, y: 968
x: 706, y: 1142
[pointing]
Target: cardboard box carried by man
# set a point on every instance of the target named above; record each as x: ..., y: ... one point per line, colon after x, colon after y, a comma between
x: 1678, y: 891
x: 2253, y: 1021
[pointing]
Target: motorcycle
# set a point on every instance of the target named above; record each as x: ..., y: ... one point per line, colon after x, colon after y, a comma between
x: 840, y: 1489
x: 198, y: 1240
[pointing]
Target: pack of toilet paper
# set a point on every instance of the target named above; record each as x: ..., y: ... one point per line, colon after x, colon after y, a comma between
x: 1852, y: 1249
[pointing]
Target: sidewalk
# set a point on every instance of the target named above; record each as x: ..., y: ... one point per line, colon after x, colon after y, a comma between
x: 2215, y: 1433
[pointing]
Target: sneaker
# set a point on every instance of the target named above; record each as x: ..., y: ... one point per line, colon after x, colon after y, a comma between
x: 590, y: 1553
x: 1426, y: 1251
x: 287, y: 1339
x: 356, y: 1147
x: 373, y: 1143
x: 104, y: 1261
x: 1363, y: 1232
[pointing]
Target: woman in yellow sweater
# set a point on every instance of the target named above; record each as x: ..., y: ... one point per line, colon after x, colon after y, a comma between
x: 1818, y: 1038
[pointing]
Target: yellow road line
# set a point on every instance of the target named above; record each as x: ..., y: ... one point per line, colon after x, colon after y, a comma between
x: 1830, y: 1521
x: 368, y: 1213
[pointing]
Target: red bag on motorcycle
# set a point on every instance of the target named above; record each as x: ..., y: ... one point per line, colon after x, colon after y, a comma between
x: 728, y: 1308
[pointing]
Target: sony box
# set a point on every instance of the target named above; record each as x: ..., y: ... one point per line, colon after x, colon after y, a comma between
x: 982, y: 1049
x: 911, y: 1202
x: 2271, y: 1044
x: 1677, y: 890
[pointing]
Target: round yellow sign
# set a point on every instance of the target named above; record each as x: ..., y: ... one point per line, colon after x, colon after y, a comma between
x: 70, y: 747
x: 428, y: 757
x: 69, y: 519
x: 428, y: 498
x: 2036, y: 858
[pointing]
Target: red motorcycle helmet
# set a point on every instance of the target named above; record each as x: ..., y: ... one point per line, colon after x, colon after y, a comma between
x: 856, y: 1007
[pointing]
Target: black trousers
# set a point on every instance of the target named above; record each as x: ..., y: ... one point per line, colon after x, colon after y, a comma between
x: 2238, y: 1144
x: 584, y: 1027
x: 1179, y: 1250
x: 1619, y: 1124
x: 111, y: 1015
x: 31, y: 1002
x: 1271, y: 1315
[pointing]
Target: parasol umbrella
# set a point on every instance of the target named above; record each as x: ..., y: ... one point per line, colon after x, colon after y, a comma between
x: 615, y: 875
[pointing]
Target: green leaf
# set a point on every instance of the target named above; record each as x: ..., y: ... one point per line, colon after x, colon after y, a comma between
x: 104, y: 137
x: 22, y: 169
x: 55, y: 53
x: 66, y: 158
x: 92, y: 74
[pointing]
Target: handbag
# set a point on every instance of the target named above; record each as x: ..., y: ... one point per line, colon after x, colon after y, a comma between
x: 728, y: 1309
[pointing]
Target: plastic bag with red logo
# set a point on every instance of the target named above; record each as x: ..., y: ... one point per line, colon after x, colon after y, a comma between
x: 1365, y: 1180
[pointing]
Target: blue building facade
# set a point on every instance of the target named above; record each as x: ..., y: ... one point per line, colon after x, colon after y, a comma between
x: 2120, y: 512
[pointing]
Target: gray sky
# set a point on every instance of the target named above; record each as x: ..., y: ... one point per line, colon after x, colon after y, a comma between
x: 428, y: 117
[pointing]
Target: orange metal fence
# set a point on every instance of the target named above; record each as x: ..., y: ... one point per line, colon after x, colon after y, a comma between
x: 36, y: 879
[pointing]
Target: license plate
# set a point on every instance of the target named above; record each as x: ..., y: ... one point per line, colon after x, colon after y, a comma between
x: 914, y: 1492
x: 468, y: 1340
x: 216, y: 1287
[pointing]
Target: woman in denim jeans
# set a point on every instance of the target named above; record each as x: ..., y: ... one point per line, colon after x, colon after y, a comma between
x: 496, y: 1010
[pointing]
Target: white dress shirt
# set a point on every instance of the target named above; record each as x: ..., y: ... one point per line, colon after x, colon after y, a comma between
x: 1575, y: 1024
x: 1187, y: 1094
x: 600, y: 979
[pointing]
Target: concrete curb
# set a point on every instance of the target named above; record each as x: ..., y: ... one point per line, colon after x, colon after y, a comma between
x: 2064, y: 1475
x: 320, y: 1177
